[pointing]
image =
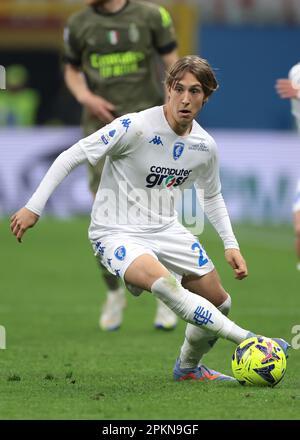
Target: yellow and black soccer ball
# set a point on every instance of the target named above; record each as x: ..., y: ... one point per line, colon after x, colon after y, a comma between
x: 259, y: 361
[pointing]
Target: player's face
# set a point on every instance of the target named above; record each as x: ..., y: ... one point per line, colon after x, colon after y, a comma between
x: 186, y: 99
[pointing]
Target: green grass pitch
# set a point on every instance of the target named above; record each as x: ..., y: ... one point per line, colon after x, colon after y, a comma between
x: 59, y: 365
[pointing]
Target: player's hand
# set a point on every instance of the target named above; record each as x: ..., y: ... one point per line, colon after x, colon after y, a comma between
x: 21, y: 221
x: 237, y: 262
x: 99, y: 107
x: 285, y: 89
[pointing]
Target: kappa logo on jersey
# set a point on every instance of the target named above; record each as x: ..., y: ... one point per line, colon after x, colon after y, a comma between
x: 120, y: 253
x: 156, y: 141
x: 125, y: 123
x: 166, y: 177
x: 112, y: 133
x: 178, y: 150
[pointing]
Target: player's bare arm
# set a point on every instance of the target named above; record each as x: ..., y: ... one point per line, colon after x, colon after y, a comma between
x: 237, y: 262
x: 286, y: 89
x: 21, y: 221
x: 98, y: 106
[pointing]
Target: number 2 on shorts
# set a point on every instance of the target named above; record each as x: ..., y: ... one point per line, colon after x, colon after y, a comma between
x: 202, y: 254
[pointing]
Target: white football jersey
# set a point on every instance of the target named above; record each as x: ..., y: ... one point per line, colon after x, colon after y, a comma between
x: 146, y: 162
x: 294, y: 76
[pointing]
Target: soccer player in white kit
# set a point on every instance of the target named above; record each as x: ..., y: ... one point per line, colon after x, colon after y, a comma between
x: 289, y: 88
x: 143, y: 242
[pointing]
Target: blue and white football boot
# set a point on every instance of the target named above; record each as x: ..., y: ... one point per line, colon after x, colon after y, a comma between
x: 200, y: 373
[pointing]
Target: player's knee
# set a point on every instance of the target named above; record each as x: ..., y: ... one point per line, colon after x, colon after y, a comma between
x: 220, y: 298
x: 226, y: 305
x: 168, y: 281
x: 145, y: 271
x: 164, y: 285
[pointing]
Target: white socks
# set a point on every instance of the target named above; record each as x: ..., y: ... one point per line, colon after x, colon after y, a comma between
x: 196, y: 310
x: 198, y: 341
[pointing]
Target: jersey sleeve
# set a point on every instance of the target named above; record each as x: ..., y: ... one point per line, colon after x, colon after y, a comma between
x: 163, y: 32
x: 294, y: 75
x: 214, y: 205
x: 72, y: 47
x: 216, y: 212
x: 61, y: 167
x: 209, y: 178
x: 114, y: 140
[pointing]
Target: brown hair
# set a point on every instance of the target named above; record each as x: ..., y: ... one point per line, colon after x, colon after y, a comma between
x: 198, y: 67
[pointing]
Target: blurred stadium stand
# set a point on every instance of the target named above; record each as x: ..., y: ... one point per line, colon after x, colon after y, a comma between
x: 250, y: 43
x: 240, y: 12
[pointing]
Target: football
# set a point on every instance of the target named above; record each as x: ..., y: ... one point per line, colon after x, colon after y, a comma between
x: 259, y: 361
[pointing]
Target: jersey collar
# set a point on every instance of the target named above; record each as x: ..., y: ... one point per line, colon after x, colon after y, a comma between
x: 101, y: 12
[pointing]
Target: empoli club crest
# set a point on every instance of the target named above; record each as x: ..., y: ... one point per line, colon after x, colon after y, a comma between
x: 178, y: 150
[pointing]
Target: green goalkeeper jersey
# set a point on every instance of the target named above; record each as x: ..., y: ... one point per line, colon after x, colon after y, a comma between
x: 117, y: 54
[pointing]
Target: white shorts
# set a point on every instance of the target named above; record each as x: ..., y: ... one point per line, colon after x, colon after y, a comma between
x: 296, y: 205
x: 175, y: 247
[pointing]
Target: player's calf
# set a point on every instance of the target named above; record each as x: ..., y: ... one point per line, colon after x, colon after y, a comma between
x: 196, y: 309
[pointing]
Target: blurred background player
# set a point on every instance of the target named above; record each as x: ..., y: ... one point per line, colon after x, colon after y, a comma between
x: 19, y: 104
x: 289, y: 88
x: 111, y: 53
